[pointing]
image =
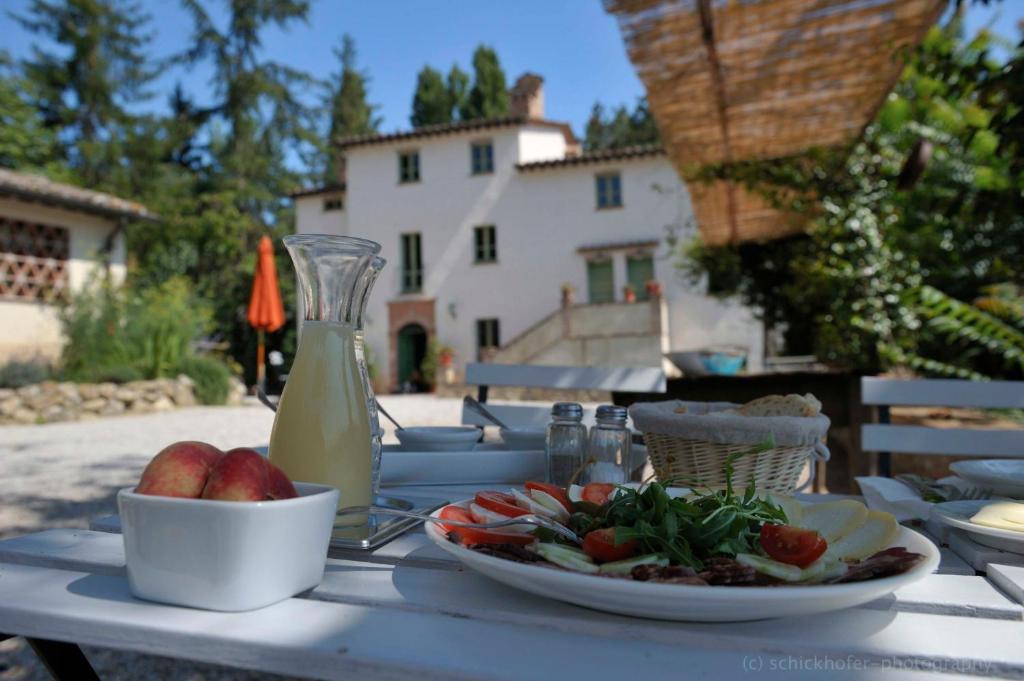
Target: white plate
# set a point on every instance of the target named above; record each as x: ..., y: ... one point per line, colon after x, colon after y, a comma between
x: 1003, y: 476
x: 439, y: 438
x: 689, y: 603
x: 958, y: 514
x: 526, y: 437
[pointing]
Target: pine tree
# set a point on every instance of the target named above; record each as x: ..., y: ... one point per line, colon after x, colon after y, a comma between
x: 431, y: 103
x: 350, y: 113
x: 24, y: 141
x: 622, y: 129
x: 489, y: 96
x: 458, y: 92
x: 84, y: 89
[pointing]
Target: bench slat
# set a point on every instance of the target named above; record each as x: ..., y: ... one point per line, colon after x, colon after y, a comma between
x: 952, y: 441
x: 933, y: 392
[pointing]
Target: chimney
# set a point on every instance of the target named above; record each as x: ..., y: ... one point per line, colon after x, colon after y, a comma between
x: 526, y: 98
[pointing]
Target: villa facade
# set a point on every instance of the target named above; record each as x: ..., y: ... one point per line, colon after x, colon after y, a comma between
x: 492, y: 227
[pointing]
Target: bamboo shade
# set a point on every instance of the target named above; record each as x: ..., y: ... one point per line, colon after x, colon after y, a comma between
x: 731, y: 80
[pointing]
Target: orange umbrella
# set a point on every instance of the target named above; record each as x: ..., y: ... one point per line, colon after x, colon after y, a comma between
x: 266, y: 312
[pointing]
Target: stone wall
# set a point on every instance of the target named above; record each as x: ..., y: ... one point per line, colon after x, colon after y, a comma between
x: 51, y: 401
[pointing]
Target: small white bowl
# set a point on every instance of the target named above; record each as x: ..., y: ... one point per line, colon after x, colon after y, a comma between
x: 439, y: 438
x: 525, y: 437
x: 226, y: 555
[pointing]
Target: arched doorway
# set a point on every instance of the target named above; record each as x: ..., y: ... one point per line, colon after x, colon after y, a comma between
x: 412, y: 350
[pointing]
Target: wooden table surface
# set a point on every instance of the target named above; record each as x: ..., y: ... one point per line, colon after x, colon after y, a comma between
x: 408, y: 611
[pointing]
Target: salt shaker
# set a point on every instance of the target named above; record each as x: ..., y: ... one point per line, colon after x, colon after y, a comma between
x: 608, y: 449
x: 565, y: 443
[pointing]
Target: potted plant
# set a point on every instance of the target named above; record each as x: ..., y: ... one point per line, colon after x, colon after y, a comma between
x: 629, y: 293
x: 653, y: 288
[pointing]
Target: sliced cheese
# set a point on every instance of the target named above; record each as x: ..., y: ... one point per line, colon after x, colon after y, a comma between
x: 1003, y: 515
x: 877, y: 532
x: 833, y: 520
x: 793, y: 509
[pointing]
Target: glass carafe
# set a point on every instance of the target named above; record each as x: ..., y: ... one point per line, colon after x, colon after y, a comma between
x: 326, y: 429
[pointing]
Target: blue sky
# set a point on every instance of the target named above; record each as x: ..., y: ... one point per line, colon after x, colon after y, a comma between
x: 572, y: 43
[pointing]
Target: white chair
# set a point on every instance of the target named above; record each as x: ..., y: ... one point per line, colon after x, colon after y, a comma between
x: 885, y: 438
x: 639, y: 380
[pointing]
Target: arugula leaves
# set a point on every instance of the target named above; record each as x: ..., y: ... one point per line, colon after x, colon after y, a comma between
x: 688, y: 531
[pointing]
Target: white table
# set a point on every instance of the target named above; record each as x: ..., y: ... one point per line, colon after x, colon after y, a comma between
x: 407, y: 611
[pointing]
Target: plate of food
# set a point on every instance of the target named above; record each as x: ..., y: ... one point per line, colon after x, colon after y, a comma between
x: 1002, y: 476
x: 713, y: 556
x: 995, y: 523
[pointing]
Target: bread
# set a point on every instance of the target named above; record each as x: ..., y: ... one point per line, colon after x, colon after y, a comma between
x: 782, y: 405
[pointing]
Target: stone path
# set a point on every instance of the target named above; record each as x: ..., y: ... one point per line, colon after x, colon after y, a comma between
x: 63, y: 474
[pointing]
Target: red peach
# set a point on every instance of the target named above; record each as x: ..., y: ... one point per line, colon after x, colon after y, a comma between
x: 280, y: 486
x: 179, y: 470
x: 239, y: 475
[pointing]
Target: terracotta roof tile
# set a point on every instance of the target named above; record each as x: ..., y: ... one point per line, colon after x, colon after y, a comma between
x: 37, y: 188
x: 621, y: 154
x: 442, y: 129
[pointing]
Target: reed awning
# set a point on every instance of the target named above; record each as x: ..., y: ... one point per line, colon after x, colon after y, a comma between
x: 732, y: 80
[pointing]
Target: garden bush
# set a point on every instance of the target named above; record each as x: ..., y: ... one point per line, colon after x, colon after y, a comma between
x: 211, y: 376
x: 18, y: 373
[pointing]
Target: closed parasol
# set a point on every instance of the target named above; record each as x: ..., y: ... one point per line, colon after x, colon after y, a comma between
x: 266, y: 311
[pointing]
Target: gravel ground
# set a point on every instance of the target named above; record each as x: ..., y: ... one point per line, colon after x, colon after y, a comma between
x: 63, y: 474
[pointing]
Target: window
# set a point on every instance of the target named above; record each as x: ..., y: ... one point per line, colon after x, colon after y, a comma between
x: 482, y: 158
x: 33, y: 261
x: 487, y: 336
x: 609, y: 190
x: 639, y: 271
x: 409, y: 166
x: 600, y: 281
x: 485, y: 244
x: 335, y: 203
x: 412, y: 263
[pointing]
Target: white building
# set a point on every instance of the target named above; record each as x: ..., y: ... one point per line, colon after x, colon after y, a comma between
x: 484, y: 222
x: 52, y: 237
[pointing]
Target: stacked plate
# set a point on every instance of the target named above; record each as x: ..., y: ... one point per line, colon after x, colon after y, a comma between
x: 1004, y: 478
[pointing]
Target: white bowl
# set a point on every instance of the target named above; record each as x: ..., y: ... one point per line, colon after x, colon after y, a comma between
x: 439, y: 438
x: 525, y: 437
x: 226, y: 555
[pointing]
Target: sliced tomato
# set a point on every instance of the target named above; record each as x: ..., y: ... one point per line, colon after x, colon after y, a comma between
x: 792, y: 545
x: 499, y: 502
x: 554, y: 490
x: 597, y: 492
x: 472, y: 536
x: 600, y: 545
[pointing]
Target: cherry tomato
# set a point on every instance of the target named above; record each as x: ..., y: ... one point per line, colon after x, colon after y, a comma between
x: 471, y: 536
x: 793, y: 545
x: 600, y: 545
x: 554, y: 490
x: 598, y: 492
x: 499, y: 502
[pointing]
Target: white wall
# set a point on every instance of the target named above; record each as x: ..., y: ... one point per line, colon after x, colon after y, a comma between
x: 311, y: 218
x: 542, y: 218
x: 28, y: 328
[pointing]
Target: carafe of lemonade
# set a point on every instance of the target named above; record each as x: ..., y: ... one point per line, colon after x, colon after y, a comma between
x: 326, y: 429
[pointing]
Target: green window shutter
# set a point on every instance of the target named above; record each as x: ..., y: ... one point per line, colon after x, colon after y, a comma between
x: 485, y: 244
x: 639, y: 271
x: 600, y: 281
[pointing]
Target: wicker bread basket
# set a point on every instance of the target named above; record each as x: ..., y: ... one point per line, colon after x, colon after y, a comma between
x: 690, y: 442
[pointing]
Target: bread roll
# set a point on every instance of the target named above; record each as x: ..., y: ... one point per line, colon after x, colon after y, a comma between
x: 782, y: 405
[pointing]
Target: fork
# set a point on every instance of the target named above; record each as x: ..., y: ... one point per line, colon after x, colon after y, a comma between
x: 528, y: 519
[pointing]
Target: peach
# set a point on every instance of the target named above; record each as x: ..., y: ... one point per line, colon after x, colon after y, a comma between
x: 179, y: 470
x: 239, y: 475
x: 280, y: 486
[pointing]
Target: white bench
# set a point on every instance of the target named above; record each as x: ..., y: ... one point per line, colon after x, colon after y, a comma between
x: 885, y: 438
x: 639, y: 380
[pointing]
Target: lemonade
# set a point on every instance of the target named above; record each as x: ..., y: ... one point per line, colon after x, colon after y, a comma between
x: 322, y: 430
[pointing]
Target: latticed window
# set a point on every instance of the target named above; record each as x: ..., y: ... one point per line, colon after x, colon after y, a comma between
x: 33, y: 260
x: 481, y: 158
x: 409, y: 167
x: 412, y: 263
x: 609, y: 190
x: 485, y: 244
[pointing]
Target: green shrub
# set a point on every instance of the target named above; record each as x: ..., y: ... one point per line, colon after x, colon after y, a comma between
x: 211, y: 376
x: 119, y: 334
x: 16, y: 374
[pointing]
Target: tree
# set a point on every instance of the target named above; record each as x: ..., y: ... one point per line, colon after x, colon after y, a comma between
x: 489, y: 96
x: 84, y: 89
x: 24, y: 141
x: 458, y: 92
x: 892, y: 258
x: 622, y: 129
x: 350, y: 113
x: 431, y: 103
